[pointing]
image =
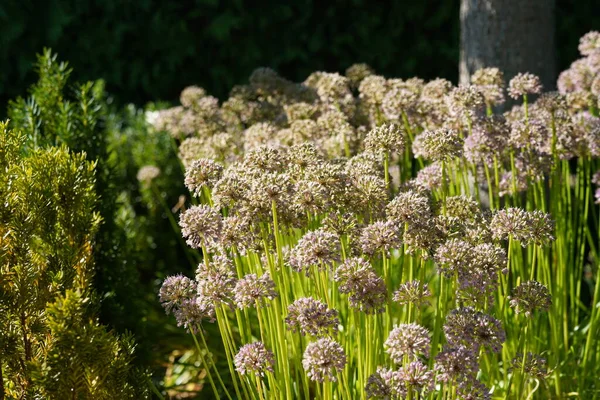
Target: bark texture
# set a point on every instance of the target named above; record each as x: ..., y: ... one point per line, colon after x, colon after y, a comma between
x: 513, y: 35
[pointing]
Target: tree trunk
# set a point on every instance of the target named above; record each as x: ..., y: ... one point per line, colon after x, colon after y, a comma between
x: 513, y: 35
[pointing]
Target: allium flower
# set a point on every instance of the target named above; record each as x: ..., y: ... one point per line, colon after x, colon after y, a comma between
x: 468, y: 327
x: 589, y: 43
x: 490, y: 82
x: 175, y: 290
x: 407, y: 340
x: 200, y: 173
x: 465, y: 101
x: 250, y: 289
x: 529, y: 297
x: 238, y: 232
x: 597, y: 196
x: 217, y: 280
x: 418, y: 378
x: 535, y: 365
x: 399, y: 99
x: 254, y: 358
x: 377, y: 385
x: 429, y: 177
x: 413, y: 292
x: 190, y: 96
x: 409, y: 207
x: 456, y: 364
x: 380, y: 236
x: 311, y: 317
x: 369, y: 193
x: 148, y: 173
x: 192, y: 312
x: 523, y: 84
x: 357, y: 72
x: 266, y: 159
x: 524, y: 226
x: 201, y: 225
x: 372, y: 90
x: 438, y: 145
x: 473, y: 390
x: 386, y: 138
x: 316, y: 248
x: 367, y: 292
x: 454, y: 256
x: 322, y: 359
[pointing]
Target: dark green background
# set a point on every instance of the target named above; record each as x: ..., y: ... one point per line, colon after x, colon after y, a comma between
x: 148, y: 50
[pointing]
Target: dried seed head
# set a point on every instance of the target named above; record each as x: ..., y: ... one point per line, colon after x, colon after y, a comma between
x: 323, y: 359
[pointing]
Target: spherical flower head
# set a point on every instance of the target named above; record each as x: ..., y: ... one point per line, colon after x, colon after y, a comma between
x: 597, y: 196
x: 201, y: 225
x: 418, y: 378
x: 216, y: 281
x: 251, y: 290
x: 524, y: 226
x: 254, y: 358
x: 311, y: 317
x: 193, y: 311
x: 367, y: 291
x: 409, y: 207
x: 397, y: 101
x: 377, y: 386
x: 456, y: 364
x: 413, y: 292
x: 523, y: 84
x: 430, y: 177
x: 454, y: 256
x: 148, y: 173
x: 316, y: 248
x: 322, y: 359
x: 202, y: 172
x: 380, y: 237
x: 535, y: 365
x: 490, y: 81
x: 386, y: 138
x: 407, y: 340
x: 372, y: 90
x: 529, y: 297
x: 175, y: 290
x: 468, y: 327
x: 465, y: 101
x: 266, y: 158
x: 190, y: 96
x: 589, y: 43
x: 357, y: 72
x: 473, y: 390
x: 438, y: 145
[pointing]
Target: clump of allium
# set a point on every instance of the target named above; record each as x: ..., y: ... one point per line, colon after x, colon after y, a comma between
x: 410, y: 206
x: 418, y: 378
x: 523, y: 84
x: 367, y: 291
x: 148, y: 173
x: 200, y: 173
x: 251, y: 290
x: 456, y: 364
x: 190, y: 95
x: 589, y: 43
x: 311, y: 317
x: 413, y: 292
x: 380, y: 237
x: 524, y: 226
x: 357, y: 72
x: 529, y: 297
x: 322, y: 359
x: 407, y: 340
x: 175, y: 290
x: 254, y: 358
x: 535, y: 365
x: 316, y: 248
x: 473, y: 329
x: 387, y: 138
x: 438, y: 145
x: 201, y: 225
x: 490, y: 82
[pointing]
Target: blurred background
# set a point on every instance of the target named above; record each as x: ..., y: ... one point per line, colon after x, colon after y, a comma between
x: 148, y: 50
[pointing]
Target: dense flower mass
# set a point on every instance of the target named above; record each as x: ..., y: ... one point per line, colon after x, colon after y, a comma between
x: 385, y: 233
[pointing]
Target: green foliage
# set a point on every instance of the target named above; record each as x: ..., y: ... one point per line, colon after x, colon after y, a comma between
x: 52, y: 345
